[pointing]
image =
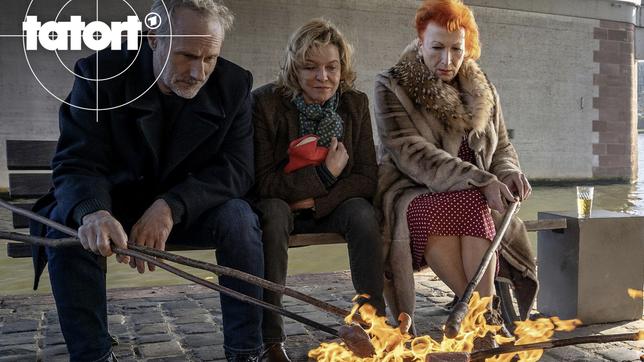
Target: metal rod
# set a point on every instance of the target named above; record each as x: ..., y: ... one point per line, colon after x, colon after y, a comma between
x: 487, y: 353
x: 217, y: 269
x: 455, y: 318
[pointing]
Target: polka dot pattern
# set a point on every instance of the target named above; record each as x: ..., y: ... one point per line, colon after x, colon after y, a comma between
x: 455, y: 213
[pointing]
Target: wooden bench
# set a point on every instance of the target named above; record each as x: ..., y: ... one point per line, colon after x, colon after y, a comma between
x: 29, y: 166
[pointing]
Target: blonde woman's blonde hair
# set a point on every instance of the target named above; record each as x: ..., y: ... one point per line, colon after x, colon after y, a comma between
x: 314, y: 34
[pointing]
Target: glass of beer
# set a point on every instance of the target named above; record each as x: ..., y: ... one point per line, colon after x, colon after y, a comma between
x: 584, y: 200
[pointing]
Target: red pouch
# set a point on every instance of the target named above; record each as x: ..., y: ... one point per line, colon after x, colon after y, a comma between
x: 304, y: 151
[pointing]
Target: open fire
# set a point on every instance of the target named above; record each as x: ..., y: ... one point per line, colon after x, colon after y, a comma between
x: 395, y: 344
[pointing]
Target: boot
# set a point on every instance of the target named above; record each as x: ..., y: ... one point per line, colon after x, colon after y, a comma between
x: 492, y: 317
x: 275, y: 352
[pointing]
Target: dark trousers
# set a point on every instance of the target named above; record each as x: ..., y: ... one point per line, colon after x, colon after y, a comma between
x: 355, y: 219
x: 78, y: 283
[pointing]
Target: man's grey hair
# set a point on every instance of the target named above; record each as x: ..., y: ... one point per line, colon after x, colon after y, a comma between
x: 206, y: 7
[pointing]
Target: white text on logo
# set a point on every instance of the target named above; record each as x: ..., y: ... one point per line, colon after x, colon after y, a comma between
x: 69, y: 35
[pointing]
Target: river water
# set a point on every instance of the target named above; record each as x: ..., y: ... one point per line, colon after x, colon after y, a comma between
x: 16, y: 275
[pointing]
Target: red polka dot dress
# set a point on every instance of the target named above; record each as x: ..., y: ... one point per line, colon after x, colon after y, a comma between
x: 455, y: 213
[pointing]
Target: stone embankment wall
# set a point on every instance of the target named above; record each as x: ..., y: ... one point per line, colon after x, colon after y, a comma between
x: 567, y: 82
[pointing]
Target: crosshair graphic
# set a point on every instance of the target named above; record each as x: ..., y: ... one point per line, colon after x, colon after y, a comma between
x: 97, y: 109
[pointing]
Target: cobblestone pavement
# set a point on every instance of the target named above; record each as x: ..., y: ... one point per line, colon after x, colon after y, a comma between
x: 183, y: 323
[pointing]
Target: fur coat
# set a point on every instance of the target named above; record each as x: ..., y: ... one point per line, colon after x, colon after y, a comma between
x: 421, y: 121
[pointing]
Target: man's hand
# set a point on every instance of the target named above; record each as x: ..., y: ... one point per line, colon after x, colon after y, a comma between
x: 152, y: 230
x: 98, y: 229
x: 302, y: 204
x: 518, y: 185
x: 497, y: 195
x: 337, y: 158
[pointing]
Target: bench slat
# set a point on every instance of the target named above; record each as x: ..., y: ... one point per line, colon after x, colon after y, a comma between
x: 30, y: 155
x: 29, y: 185
x: 18, y: 250
x: 550, y: 224
x: 20, y: 221
x: 314, y: 239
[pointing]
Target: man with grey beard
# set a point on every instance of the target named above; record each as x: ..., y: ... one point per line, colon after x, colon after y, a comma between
x: 172, y: 166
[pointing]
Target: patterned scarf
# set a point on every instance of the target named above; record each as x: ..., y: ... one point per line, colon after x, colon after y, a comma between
x: 320, y: 120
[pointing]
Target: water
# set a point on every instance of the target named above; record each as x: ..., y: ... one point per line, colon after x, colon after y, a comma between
x: 16, y: 275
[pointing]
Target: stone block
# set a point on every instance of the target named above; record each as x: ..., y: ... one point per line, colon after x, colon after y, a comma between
x: 163, y: 349
x: 203, y: 340
x: 22, y: 325
x: 156, y: 328
x: 586, y: 269
x: 194, y: 328
x: 209, y: 353
x: 621, y: 354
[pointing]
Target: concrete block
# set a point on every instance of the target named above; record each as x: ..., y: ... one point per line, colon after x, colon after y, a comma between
x: 586, y: 269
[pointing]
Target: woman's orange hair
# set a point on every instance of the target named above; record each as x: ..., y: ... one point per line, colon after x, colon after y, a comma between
x: 452, y: 15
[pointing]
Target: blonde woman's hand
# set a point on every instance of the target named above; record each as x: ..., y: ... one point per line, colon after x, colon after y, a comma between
x: 337, y: 158
x: 518, y: 185
x: 497, y: 195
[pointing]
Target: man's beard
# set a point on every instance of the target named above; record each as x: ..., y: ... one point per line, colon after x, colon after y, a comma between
x: 186, y: 90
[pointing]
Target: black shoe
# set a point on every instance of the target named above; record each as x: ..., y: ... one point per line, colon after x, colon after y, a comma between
x: 275, y: 352
x: 230, y: 357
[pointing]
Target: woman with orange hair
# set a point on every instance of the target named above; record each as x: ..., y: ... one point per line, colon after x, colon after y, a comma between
x: 448, y: 169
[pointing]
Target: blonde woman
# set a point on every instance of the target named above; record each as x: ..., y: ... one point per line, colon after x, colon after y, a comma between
x: 316, y: 168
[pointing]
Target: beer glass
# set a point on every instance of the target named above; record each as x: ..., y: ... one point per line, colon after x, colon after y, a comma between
x: 584, y: 200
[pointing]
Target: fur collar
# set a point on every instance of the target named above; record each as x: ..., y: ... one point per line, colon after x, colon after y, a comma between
x: 460, y: 110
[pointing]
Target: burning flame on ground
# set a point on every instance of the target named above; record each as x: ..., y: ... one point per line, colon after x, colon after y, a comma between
x: 634, y: 293
x: 395, y: 345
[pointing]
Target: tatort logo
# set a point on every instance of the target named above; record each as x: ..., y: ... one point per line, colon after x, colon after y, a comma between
x: 70, y: 35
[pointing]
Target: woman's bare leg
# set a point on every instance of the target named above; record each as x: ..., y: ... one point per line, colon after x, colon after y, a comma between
x: 472, y: 251
x: 443, y: 255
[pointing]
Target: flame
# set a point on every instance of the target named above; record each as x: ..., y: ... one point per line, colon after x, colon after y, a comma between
x: 395, y: 345
x: 634, y: 293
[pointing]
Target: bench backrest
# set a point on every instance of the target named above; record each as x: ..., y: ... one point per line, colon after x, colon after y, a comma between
x: 29, y: 165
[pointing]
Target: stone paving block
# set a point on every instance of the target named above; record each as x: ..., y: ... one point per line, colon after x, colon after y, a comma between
x: 196, y: 318
x: 19, y: 357
x: 572, y: 354
x: 51, y: 351
x: 621, y: 354
x: 185, y: 312
x: 167, y: 359
x: 293, y: 329
x: 21, y: 325
x: 210, y: 303
x: 152, y: 338
x: 156, y: 328
x: 53, y: 339
x: 147, y: 318
x: 19, y: 349
x: 180, y: 304
x: 203, y: 296
x: 203, y: 340
x: 118, y: 329
x: 16, y: 338
x: 163, y: 349
x: 209, y: 353
x: 194, y: 328
x: 115, y: 319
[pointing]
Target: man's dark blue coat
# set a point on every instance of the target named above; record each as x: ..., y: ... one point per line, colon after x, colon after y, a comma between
x: 120, y: 163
